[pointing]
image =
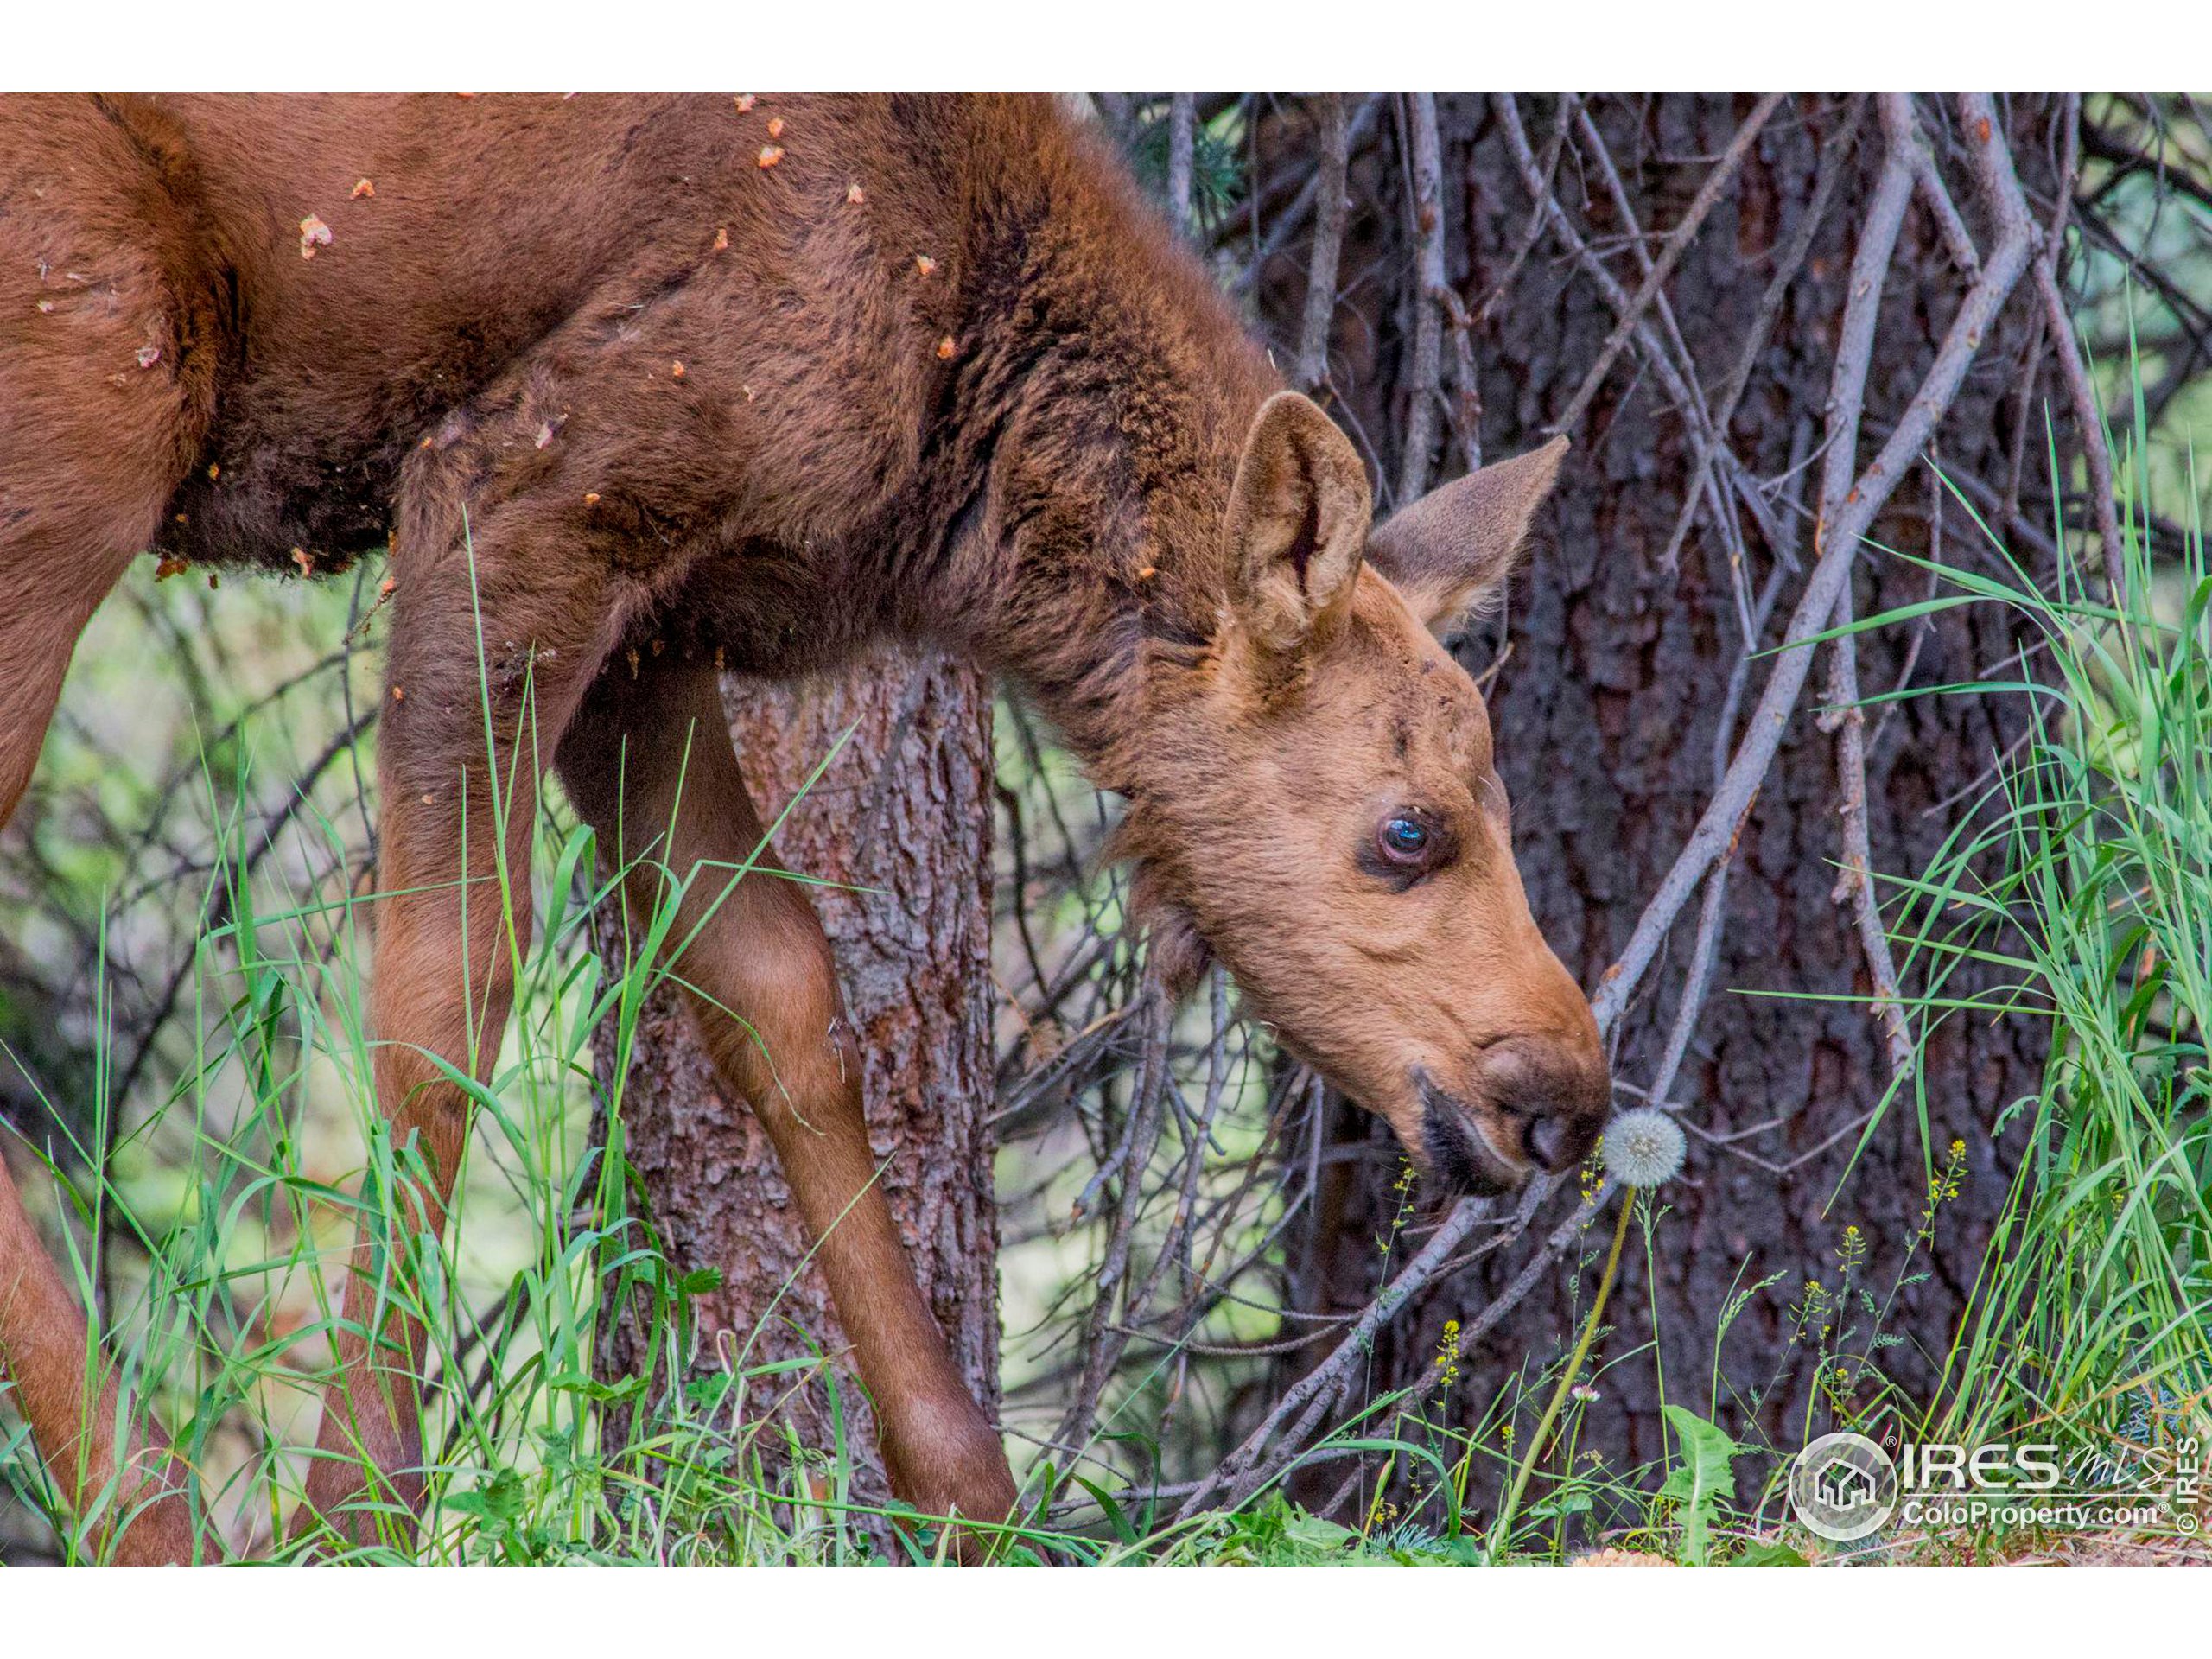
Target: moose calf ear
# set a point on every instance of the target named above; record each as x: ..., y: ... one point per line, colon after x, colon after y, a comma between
x: 1297, y: 515
x: 1453, y: 549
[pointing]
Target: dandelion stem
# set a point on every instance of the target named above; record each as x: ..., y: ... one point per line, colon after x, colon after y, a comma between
x: 1502, y: 1530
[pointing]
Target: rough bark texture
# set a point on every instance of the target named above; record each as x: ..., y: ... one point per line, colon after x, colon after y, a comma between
x: 1607, y: 712
x: 901, y: 819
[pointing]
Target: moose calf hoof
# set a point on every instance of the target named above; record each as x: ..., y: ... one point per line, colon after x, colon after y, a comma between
x: 959, y: 1472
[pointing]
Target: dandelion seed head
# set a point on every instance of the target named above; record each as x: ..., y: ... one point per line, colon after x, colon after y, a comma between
x: 1644, y: 1148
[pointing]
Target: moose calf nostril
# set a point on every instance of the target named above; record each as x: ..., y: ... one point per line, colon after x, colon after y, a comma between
x: 1551, y: 1142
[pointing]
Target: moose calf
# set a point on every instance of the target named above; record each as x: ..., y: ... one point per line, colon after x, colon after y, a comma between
x: 763, y: 380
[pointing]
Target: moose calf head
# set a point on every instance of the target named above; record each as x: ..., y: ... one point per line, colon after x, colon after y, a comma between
x: 1324, y: 813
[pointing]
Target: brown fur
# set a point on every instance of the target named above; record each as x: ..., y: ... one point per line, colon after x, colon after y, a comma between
x: 608, y: 383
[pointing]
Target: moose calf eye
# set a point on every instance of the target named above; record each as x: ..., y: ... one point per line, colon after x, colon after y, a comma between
x: 1403, y: 838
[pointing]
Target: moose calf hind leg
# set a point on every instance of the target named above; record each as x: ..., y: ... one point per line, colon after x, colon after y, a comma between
x: 650, y: 766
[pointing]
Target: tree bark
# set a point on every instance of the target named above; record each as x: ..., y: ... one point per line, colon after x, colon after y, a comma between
x: 898, y: 829
x: 1608, y: 712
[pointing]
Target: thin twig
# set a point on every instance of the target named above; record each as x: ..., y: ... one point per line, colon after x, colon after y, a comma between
x: 2088, y: 418
x: 1678, y: 241
x: 1835, y: 158
x: 1332, y: 205
x: 1853, y: 885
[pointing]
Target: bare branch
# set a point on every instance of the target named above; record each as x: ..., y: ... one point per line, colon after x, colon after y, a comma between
x: 1466, y: 408
x: 1685, y: 395
x: 1928, y: 184
x: 1182, y: 147
x: 1541, y: 186
x: 1836, y: 155
x: 1678, y: 240
x: 1425, y: 168
x: 1854, y: 885
x: 2089, y: 417
x: 1101, y: 1342
x: 1847, y: 509
x: 1303, y: 201
x: 1305, y: 1403
x: 1332, y: 205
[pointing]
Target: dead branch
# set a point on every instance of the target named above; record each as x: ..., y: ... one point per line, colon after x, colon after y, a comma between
x: 1532, y: 232
x: 1722, y: 175
x: 1853, y: 885
x: 1466, y: 406
x: 1835, y: 156
x: 1182, y: 147
x: 1304, y: 1406
x: 2089, y: 417
x: 1102, y: 1345
x: 1425, y: 171
x: 1928, y: 186
x: 1847, y: 510
x: 1332, y: 205
x: 1303, y: 202
x: 1657, y: 352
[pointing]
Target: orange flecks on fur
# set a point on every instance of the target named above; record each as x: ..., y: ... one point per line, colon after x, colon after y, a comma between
x: 775, y: 126
x: 925, y: 266
x: 945, y: 349
x: 855, y: 195
x: 675, y: 371
x: 305, y: 559
x: 168, y: 568
x: 214, y: 472
x: 1146, y: 572
x: 770, y: 155
x: 745, y: 102
x: 385, y: 588
x: 362, y: 187
x: 398, y: 695
x: 591, y: 497
x: 721, y: 239
x: 183, y: 518
x: 430, y: 800
x: 314, y: 234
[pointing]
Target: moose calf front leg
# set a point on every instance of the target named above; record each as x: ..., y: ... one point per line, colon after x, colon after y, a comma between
x: 649, y: 765
x: 70, y: 1395
x: 483, y: 669
x: 446, y: 936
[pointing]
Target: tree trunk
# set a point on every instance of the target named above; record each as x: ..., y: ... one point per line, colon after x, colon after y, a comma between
x: 1607, y: 713
x: 897, y: 829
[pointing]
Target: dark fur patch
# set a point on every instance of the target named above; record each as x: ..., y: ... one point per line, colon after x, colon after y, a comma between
x: 1452, y: 1156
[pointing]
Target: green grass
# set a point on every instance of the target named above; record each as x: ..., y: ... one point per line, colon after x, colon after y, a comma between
x: 2095, y: 1304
